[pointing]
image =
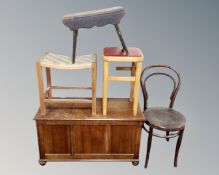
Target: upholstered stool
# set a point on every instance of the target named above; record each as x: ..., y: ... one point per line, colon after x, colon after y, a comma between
x: 93, y: 18
x: 134, y: 56
x: 55, y: 61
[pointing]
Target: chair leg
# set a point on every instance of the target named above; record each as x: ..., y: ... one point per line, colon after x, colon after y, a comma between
x: 94, y: 77
x: 105, y: 85
x: 132, y: 83
x: 40, y: 87
x: 49, y: 82
x: 136, y: 87
x: 75, y: 35
x: 148, y: 147
x: 167, y: 134
x: 178, y: 144
x: 121, y: 38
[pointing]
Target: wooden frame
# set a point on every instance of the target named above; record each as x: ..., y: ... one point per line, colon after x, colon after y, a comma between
x: 47, y: 98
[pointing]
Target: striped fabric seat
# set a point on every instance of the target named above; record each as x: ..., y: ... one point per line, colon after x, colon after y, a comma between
x: 58, y: 61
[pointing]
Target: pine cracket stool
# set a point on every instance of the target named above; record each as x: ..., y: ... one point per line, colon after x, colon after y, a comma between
x: 67, y: 129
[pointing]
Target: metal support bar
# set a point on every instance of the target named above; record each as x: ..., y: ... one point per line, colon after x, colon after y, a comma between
x: 121, y: 39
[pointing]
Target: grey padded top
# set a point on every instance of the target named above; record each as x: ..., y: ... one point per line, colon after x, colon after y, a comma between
x: 93, y: 18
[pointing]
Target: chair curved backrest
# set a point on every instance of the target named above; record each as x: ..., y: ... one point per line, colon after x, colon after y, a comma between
x: 176, y: 82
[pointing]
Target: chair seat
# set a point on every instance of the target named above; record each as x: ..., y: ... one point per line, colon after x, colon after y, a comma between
x: 165, y: 119
x: 93, y: 18
x: 116, y: 54
x: 57, y: 61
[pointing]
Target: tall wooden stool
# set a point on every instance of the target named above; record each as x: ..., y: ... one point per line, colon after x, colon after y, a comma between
x: 56, y: 61
x: 134, y: 56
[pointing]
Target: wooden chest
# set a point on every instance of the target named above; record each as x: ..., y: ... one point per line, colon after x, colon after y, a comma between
x: 71, y: 134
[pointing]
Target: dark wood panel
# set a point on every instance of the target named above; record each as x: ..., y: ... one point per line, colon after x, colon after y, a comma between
x: 55, y: 139
x: 122, y: 139
x: 90, y: 139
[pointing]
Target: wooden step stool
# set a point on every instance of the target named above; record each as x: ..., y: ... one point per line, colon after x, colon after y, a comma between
x: 56, y: 61
x: 115, y: 54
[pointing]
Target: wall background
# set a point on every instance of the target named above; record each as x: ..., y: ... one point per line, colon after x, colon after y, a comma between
x: 183, y: 34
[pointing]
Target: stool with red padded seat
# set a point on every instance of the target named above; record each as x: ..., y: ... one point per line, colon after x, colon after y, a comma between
x: 134, y: 56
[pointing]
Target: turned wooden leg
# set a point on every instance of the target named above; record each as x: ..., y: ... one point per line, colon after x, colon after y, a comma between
x: 167, y: 134
x: 178, y: 144
x: 105, y: 85
x: 94, y: 77
x: 148, y: 147
x: 40, y: 87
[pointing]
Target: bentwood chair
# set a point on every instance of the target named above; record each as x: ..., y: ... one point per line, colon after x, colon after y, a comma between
x: 164, y: 119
